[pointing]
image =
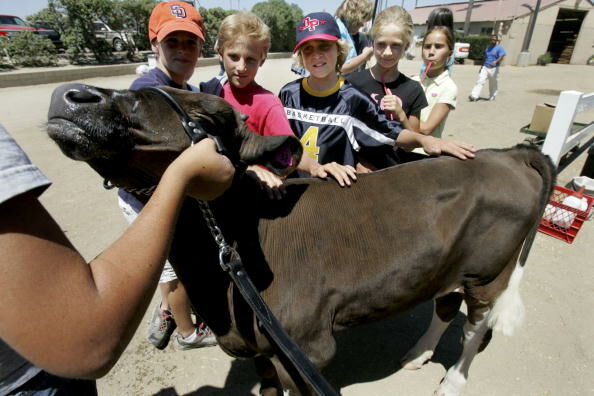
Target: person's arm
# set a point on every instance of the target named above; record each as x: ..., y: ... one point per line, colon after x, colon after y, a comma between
x: 414, y: 121
x: 268, y: 181
x: 433, y: 145
x: 393, y: 109
x: 75, y: 319
x: 342, y: 173
x: 438, y: 114
x: 354, y: 63
x: 496, y: 61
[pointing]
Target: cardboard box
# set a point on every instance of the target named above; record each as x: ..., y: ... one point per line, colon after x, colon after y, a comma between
x: 541, y: 118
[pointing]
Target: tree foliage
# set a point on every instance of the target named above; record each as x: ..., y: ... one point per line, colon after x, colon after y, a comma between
x: 282, y: 19
x: 74, y: 20
x: 28, y: 49
x: 134, y: 15
x: 213, y: 17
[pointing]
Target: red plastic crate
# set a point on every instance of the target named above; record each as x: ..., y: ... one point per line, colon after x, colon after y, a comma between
x: 557, y: 216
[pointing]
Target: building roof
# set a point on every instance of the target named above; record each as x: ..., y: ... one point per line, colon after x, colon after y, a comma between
x: 488, y: 10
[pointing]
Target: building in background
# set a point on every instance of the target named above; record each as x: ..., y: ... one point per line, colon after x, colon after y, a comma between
x: 564, y: 28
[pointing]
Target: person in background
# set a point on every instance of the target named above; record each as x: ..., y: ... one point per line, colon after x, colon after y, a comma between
x: 176, y: 34
x: 493, y: 57
x: 65, y: 316
x: 243, y: 43
x: 441, y: 16
x: 440, y: 89
x: 350, y: 17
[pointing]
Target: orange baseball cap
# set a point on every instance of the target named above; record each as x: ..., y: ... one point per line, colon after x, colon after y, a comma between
x: 171, y: 16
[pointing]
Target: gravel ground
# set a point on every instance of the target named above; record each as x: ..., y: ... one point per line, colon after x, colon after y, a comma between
x: 552, y: 354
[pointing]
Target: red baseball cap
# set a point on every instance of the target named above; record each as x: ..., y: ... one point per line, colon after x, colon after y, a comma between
x: 171, y: 16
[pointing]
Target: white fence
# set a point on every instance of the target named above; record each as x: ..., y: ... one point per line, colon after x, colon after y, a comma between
x: 560, y: 139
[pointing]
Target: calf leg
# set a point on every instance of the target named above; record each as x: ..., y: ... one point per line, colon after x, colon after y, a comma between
x: 320, y: 350
x: 476, y: 333
x: 269, y: 382
x: 444, y: 312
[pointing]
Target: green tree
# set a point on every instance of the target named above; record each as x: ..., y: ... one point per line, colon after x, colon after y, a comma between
x: 49, y: 16
x: 282, y: 19
x: 74, y: 20
x: 212, y: 20
x: 134, y: 15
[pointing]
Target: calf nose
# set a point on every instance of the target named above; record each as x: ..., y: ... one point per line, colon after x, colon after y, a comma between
x: 81, y: 94
x: 69, y: 98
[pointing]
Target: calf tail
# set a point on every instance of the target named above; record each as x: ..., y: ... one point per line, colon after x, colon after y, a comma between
x: 508, y: 312
x: 548, y: 173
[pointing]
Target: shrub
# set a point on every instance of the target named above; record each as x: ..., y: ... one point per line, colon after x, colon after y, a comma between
x: 544, y: 59
x: 29, y: 49
x: 477, y: 45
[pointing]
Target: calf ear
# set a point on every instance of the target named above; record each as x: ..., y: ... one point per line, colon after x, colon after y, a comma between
x: 280, y: 154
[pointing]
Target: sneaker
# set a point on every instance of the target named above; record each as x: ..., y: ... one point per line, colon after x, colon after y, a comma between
x: 161, y: 327
x: 202, y: 337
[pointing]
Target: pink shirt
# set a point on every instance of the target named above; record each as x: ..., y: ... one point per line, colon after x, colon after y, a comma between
x: 266, y: 115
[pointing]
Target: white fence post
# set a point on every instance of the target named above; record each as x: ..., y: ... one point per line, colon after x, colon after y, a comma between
x: 558, y: 140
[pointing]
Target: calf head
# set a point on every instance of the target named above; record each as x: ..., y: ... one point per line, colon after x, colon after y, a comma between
x: 130, y: 137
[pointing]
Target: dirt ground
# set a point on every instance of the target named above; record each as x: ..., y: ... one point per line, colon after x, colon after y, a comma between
x: 552, y: 354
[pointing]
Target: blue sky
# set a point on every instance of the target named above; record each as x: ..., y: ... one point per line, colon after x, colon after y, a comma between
x: 23, y: 8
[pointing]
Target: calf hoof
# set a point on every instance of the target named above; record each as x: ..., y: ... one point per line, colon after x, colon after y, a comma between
x: 410, y: 362
x: 269, y: 391
x: 451, y: 385
x: 270, y: 388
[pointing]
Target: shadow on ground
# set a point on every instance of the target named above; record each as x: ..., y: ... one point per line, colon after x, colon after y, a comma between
x: 364, y: 354
x: 373, y: 352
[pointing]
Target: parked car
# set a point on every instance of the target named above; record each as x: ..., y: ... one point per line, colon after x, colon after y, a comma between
x: 118, y: 40
x: 461, y: 51
x: 11, y: 25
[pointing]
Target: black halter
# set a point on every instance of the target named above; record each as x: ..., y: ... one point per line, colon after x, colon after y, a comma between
x: 192, y: 126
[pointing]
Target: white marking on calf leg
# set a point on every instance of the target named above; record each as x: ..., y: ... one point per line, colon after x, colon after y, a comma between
x: 508, y: 311
x: 286, y: 392
x: 455, y: 379
x: 423, y: 349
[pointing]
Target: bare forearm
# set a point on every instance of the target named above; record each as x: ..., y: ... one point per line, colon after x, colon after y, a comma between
x: 47, y: 284
x: 438, y: 114
x: 307, y: 164
x: 124, y: 287
x: 354, y: 63
x: 409, y: 139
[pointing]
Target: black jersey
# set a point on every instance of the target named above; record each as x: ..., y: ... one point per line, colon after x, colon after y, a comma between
x: 409, y: 92
x: 336, y: 123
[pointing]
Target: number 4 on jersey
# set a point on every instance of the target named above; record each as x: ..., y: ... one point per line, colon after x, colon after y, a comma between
x: 309, y: 141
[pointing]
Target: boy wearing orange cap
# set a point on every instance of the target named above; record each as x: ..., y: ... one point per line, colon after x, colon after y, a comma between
x: 176, y: 33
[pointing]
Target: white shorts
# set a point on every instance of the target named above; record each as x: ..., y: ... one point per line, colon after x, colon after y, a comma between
x: 131, y: 207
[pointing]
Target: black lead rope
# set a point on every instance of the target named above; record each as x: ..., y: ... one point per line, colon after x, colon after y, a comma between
x: 231, y: 263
